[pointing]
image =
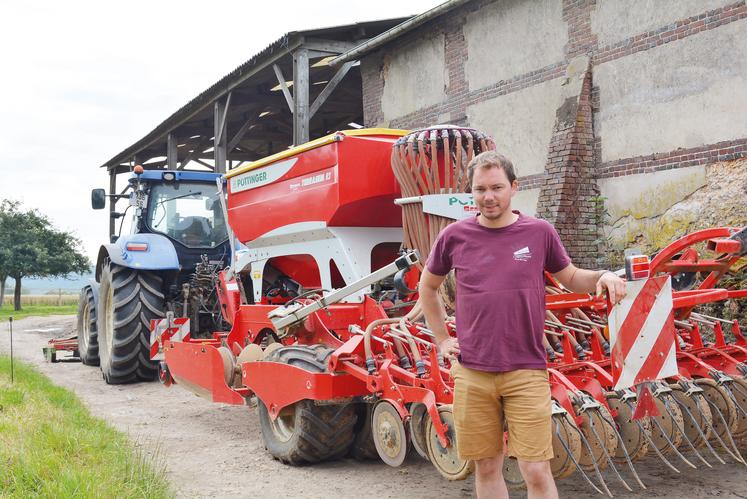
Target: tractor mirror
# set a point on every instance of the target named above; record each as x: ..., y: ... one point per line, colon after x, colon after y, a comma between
x: 98, y: 199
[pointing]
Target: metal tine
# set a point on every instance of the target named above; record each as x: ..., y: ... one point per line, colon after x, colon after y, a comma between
x: 674, y: 447
x: 604, y: 449
x: 684, y: 435
x: 703, y: 320
x: 625, y: 450
x: 573, y: 459
x: 697, y: 427
x: 683, y: 324
x: 581, y: 322
x: 566, y: 326
x: 593, y: 462
x: 651, y: 442
x: 736, y: 456
x: 554, y: 333
x: 733, y: 398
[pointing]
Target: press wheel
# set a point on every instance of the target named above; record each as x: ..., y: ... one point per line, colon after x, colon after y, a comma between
x: 417, y: 428
x: 603, y: 439
x: 446, y: 459
x: 564, y: 428
x: 716, y: 396
x: 630, y: 431
x: 389, y: 435
x: 700, y: 411
x: 739, y: 390
x: 669, y: 425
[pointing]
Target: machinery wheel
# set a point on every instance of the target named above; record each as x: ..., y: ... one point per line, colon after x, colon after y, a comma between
x: 739, y: 390
x: 700, y: 411
x: 389, y: 434
x: 446, y: 459
x: 88, y: 343
x: 129, y: 299
x: 633, y: 433
x: 563, y: 428
x: 305, y: 432
x: 417, y: 428
x: 721, y: 401
x: 669, y: 425
x: 364, y: 447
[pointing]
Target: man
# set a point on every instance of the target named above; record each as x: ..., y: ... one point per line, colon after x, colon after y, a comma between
x: 499, y: 257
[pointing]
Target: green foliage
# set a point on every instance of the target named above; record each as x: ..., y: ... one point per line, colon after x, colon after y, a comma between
x: 38, y: 311
x: 31, y: 247
x: 51, y: 446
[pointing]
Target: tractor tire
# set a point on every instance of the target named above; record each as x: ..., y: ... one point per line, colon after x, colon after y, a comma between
x: 128, y: 300
x: 306, y: 433
x: 88, y: 343
x: 363, y: 447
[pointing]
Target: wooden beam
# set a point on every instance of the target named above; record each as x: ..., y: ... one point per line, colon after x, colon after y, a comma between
x: 300, y: 96
x: 283, y: 86
x: 330, y: 87
x: 222, y: 127
x: 329, y: 46
x: 198, y: 148
x: 219, y: 141
x: 240, y: 134
x: 171, y: 151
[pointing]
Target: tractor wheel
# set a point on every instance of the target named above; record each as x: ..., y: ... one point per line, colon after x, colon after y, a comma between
x: 88, y: 343
x: 363, y: 447
x: 306, y: 432
x: 128, y: 300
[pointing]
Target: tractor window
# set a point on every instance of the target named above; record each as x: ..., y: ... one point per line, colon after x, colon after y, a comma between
x: 187, y: 212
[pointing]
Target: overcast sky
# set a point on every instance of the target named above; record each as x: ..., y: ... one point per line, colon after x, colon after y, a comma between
x: 82, y: 80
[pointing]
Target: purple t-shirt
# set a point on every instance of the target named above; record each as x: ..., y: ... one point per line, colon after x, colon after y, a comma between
x: 500, y: 304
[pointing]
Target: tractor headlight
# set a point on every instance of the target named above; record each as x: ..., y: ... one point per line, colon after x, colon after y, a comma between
x: 169, y: 176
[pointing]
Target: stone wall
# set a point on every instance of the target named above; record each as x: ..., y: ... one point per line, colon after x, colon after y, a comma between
x: 659, y: 117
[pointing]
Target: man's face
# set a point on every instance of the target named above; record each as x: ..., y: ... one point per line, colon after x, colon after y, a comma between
x: 492, y: 192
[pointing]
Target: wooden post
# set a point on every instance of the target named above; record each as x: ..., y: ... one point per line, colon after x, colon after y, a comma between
x: 300, y: 96
x: 171, y: 151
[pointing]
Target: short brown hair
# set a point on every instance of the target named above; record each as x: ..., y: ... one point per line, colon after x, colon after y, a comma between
x: 488, y: 160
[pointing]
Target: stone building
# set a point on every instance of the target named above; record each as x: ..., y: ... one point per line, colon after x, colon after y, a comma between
x: 626, y: 119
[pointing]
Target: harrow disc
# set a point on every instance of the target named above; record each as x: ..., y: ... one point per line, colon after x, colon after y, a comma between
x: 446, y: 459
x: 739, y: 390
x: 631, y: 432
x: 564, y: 428
x: 389, y: 434
x: 600, y: 436
x: 700, y: 412
x: 667, y: 429
x: 417, y: 427
x: 721, y: 401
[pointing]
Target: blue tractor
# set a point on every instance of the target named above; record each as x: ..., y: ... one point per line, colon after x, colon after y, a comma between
x: 169, y: 261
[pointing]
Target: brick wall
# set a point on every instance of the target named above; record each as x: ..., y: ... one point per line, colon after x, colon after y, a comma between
x: 568, y: 185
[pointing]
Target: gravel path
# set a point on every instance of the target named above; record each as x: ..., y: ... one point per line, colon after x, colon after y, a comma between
x: 215, y: 450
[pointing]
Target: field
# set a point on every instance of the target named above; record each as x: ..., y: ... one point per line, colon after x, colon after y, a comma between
x: 51, y: 446
x: 57, y: 299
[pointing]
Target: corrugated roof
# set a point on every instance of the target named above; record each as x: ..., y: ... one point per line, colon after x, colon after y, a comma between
x: 285, y: 43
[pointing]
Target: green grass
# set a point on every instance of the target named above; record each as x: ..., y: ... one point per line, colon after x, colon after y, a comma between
x: 37, y: 310
x: 51, y: 446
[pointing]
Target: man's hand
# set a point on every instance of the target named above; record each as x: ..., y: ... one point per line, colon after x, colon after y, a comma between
x: 614, y: 285
x: 449, y: 348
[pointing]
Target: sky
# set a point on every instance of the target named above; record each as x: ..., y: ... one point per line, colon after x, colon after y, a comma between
x: 83, y: 80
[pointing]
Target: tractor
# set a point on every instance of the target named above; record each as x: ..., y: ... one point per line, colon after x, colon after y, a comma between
x: 167, y: 263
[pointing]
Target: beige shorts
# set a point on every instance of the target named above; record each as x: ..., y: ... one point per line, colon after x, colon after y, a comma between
x: 484, y: 402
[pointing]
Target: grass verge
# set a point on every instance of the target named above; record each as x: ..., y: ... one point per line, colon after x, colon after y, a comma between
x: 51, y: 446
x: 37, y: 310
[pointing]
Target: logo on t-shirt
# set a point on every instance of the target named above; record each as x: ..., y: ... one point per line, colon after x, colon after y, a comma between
x: 523, y: 255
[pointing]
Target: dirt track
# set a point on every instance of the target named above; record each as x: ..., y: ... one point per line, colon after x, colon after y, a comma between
x: 214, y: 450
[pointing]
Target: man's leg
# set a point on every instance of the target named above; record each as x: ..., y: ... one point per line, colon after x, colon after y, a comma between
x: 489, y: 481
x: 539, y: 480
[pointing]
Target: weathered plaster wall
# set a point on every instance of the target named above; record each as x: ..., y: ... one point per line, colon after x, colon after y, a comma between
x: 414, y: 78
x: 615, y: 20
x: 512, y: 37
x: 526, y: 201
x: 682, y: 94
x: 651, y: 210
x: 521, y: 124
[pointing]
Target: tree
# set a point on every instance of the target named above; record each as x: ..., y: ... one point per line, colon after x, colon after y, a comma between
x: 31, y: 247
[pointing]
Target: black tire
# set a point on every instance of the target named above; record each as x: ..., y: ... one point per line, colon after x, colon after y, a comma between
x: 304, y: 432
x: 128, y: 300
x: 88, y: 343
x: 363, y: 447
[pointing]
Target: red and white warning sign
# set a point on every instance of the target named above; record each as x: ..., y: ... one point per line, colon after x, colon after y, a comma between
x: 166, y: 329
x: 642, y: 333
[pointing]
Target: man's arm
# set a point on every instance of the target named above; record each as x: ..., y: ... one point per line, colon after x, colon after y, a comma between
x: 592, y: 281
x: 434, y: 312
